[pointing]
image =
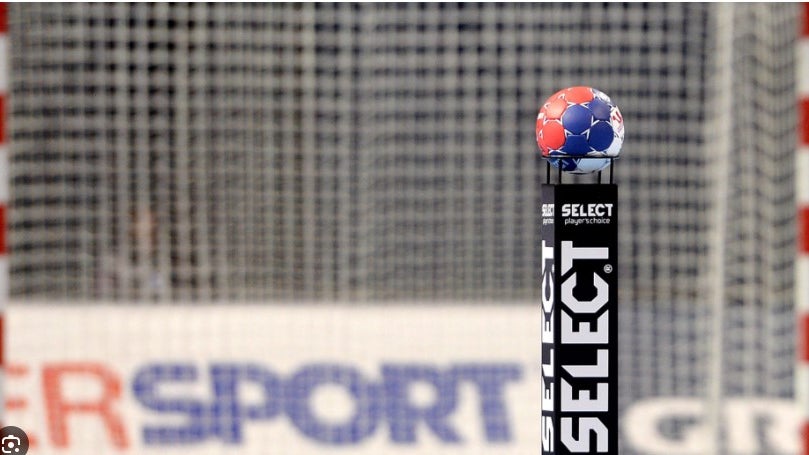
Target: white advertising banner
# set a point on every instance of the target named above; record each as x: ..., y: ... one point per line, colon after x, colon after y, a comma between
x: 312, y: 379
x: 266, y: 379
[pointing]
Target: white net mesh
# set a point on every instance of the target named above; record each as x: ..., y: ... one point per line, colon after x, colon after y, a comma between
x: 383, y: 152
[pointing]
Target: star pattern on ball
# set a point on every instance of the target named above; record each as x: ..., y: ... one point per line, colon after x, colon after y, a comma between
x: 576, y: 122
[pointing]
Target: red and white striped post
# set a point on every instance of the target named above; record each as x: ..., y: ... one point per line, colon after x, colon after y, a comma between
x: 4, y: 197
x: 802, y: 218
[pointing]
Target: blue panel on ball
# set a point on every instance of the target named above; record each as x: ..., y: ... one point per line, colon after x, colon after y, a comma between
x: 600, y: 136
x: 600, y: 109
x: 576, y: 144
x: 577, y: 119
x: 591, y: 165
x: 567, y: 164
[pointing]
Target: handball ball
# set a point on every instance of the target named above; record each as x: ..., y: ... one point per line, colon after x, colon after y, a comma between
x: 577, y: 122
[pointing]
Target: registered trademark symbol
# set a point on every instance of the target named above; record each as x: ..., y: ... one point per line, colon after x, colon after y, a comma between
x: 608, y: 268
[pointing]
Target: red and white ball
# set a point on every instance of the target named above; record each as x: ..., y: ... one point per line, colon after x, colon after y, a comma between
x: 580, y: 122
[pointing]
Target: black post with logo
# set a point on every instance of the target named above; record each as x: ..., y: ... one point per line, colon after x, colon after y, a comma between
x: 579, y: 259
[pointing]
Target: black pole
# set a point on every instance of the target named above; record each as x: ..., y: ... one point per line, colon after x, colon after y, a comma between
x: 579, y: 290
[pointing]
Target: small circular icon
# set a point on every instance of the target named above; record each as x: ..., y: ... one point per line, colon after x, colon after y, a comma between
x: 13, y: 441
x: 608, y: 268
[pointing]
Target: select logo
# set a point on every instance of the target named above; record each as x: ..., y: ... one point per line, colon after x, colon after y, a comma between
x: 583, y: 214
x: 577, y: 398
x: 547, y: 214
x: 548, y: 328
x: 13, y: 441
x: 586, y: 210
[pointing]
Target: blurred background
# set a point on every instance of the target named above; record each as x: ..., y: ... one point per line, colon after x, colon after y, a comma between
x: 349, y: 192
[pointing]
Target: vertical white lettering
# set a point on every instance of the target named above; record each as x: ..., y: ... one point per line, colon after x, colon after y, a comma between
x: 581, y: 444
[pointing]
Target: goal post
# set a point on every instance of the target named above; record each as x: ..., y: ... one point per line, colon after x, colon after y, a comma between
x: 802, y: 234
x: 5, y: 279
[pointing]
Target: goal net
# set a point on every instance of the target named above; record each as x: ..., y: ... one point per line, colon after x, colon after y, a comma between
x: 260, y: 185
